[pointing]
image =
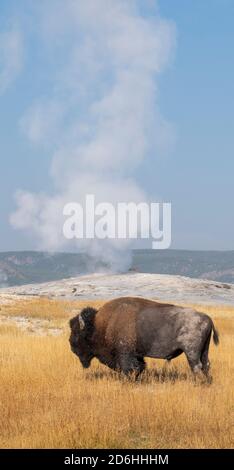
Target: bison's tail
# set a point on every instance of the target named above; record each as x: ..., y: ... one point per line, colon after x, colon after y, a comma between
x: 215, y: 335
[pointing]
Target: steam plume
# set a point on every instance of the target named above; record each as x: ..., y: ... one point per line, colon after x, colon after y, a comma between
x: 102, y: 119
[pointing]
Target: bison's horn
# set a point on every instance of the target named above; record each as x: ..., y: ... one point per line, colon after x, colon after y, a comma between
x: 81, y: 322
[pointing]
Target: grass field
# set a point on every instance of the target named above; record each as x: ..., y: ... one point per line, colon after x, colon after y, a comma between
x: 47, y: 400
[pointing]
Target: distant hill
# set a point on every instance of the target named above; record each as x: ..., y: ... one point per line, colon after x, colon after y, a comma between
x: 18, y: 268
x: 213, y: 265
x: 25, y: 267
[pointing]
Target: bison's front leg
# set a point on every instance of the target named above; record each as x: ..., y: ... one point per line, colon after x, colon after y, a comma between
x: 131, y: 365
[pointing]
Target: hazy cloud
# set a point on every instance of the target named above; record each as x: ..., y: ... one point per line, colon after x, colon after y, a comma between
x: 11, y: 57
x: 41, y: 121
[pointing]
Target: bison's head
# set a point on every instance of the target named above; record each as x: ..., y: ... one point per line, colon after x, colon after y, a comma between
x: 82, y: 328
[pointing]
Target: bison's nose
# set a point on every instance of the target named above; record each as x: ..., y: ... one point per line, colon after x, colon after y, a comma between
x: 85, y: 362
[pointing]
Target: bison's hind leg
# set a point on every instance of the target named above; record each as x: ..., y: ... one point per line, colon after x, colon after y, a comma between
x: 194, y: 362
x: 130, y: 365
x: 204, y: 356
x: 199, y: 362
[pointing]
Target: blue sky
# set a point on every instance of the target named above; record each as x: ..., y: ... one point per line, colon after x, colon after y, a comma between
x: 194, y: 94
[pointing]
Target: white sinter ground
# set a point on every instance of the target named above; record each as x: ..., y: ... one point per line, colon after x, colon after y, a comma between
x: 106, y: 286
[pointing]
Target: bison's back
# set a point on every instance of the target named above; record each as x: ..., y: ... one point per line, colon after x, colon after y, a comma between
x: 146, y: 326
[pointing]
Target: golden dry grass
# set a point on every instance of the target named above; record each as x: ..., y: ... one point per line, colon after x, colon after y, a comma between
x: 47, y: 309
x: 47, y: 400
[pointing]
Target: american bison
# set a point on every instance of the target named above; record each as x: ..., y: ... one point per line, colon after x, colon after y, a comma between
x: 126, y: 330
